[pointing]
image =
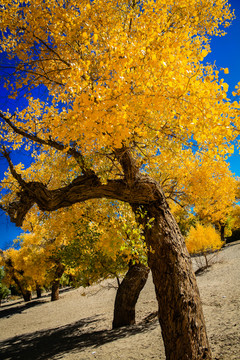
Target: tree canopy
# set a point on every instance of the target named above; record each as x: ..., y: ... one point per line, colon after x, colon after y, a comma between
x: 134, y: 78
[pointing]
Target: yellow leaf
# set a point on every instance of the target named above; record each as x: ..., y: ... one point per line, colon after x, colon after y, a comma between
x: 95, y: 37
x: 225, y: 87
x: 204, y: 53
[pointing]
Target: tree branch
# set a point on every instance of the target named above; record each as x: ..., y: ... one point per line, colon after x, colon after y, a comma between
x: 135, y: 188
x: 12, y: 169
x: 46, y: 45
x: 128, y: 164
x: 51, y: 143
x: 83, y: 188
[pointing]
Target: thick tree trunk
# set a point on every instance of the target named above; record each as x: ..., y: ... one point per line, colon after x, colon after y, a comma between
x: 127, y: 295
x: 55, y: 290
x: 180, y: 311
x: 56, y: 282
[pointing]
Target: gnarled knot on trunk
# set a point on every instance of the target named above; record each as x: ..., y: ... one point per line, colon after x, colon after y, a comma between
x: 147, y: 186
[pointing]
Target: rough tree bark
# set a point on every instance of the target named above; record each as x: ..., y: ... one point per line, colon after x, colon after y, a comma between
x: 127, y: 295
x: 56, y: 282
x: 180, y: 311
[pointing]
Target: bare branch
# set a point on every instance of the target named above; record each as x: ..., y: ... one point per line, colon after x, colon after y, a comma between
x: 46, y: 45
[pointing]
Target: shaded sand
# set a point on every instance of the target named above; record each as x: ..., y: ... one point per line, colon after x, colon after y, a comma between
x: 78, y: 326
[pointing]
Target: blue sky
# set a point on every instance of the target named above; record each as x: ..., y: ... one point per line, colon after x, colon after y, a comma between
x: 226, y: 53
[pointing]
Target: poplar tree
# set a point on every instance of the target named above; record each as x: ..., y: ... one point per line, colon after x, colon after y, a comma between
x: 127, y: 92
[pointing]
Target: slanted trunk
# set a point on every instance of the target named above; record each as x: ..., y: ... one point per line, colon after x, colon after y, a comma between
x: 26, y: 294
x: 180, y: 310
x: 56, y: 282
x: 127, y: 295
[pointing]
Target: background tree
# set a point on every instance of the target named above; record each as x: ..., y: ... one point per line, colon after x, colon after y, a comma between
x: 214, y: 196
x: 91, y: 245
x: 202, y: 241
x: 122, y: 91
x: 197, y: 190
x: 14, y: 274
x: 4, y: 291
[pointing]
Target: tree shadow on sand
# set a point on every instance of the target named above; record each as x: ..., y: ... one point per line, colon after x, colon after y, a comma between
x: 9, y: 309
x: 42, y: 345
x: 19, y: 308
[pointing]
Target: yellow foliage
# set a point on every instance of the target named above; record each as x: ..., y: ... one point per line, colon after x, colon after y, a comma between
x: 95, y: 65
x: 99, y: 227
x: 203, y: 239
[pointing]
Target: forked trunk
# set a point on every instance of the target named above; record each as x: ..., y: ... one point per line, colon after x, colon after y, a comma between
x: 180, y: 310
x: 127, y: 295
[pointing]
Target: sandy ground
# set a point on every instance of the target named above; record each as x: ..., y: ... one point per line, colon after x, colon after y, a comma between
x: 78, y: 326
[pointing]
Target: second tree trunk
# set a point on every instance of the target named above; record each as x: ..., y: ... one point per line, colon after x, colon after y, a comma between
x: 127, y: 295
